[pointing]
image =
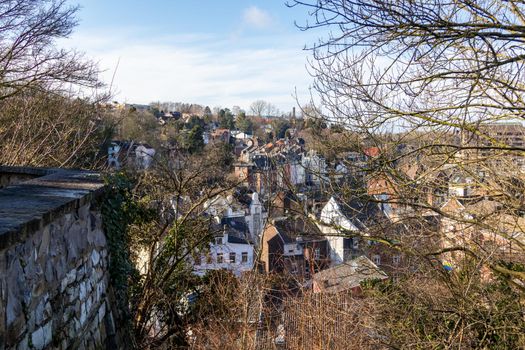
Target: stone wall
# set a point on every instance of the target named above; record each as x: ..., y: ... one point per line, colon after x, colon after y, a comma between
x: 15, y: 175
x: 54, y: 268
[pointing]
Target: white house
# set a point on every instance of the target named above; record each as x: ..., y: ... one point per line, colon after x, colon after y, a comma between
x: 229, y: 208
x: 239, y: 135
x: 335, y: 220
x: 144, y: 154
x: 338, y: 218
x: 113, y: 155
x: 315, y: 168
x: 226, y: 252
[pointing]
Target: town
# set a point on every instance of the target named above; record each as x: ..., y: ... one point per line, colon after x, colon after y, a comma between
x: 325, y: 220
x: 302, y: 174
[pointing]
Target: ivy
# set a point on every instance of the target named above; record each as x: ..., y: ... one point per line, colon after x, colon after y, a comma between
x: 119, y: 211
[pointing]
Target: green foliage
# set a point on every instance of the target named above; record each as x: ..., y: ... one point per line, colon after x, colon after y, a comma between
x: 226, y: 120
x: 244, y: 123
x: 119, y: 211
x: 194, y: 121
x: 194, y: 142
x: 280, y: 125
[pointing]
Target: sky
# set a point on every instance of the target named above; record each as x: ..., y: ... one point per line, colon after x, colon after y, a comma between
x: 212, y: 52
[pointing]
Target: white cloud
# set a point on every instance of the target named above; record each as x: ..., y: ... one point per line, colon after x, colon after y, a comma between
x: 256, y: 17
x: 212, y: 73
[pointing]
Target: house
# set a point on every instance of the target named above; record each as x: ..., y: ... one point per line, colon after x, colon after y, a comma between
x: 226, y: 252
x: 460, y: 185
x: 294, y: 247
x: 144, y: 155
x: 315, y: 168
x: 114, y: 160
x: 347, y: 276
x: 220, y: 135
x: 237, y: 207
x: 239, y: 135
x: 485, y: 223
x: 346, y: 223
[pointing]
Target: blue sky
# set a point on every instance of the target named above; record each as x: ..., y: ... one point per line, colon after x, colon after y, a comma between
x: 213, y: 52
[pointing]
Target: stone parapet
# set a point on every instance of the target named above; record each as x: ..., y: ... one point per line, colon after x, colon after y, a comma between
x: 53, y: 262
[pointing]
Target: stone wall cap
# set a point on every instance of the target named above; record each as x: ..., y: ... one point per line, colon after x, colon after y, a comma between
x: 30, y: 205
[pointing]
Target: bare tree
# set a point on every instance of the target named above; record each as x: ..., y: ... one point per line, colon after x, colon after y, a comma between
x: 29, y: 57
x: 272, y: 110
x: 436, y: 89
x: 179, y: 229
x: 450, y: 69
x: 258, y: 107
x: 42, y: 122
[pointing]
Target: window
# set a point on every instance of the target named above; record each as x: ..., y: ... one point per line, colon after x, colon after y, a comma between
x: 244, y: 257
x: 376, y: 259
x: 218, y: 240
x: 290, y: 251
x: 317, y: 253
x: 232, y: 258
x: 396, y: 259
x: 208, y: 259
x: 220, y: 258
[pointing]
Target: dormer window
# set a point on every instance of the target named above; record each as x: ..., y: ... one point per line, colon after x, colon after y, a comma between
x: 218, y: 240
x: 396, y: 259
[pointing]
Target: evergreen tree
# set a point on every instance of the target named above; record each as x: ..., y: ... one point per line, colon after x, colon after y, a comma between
x: 244, y: 123
x: 194, y: 140
x: 226, y: 120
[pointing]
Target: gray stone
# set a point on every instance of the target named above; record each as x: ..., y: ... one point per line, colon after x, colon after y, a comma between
x: 24, y: 344
x: 101, y: 312
x: 83, y: 213
x: 95, y: 257
x: 14, y: 306
x: 89, y: 303
x: 48, y: 332
x: 43, y: 249
x: 82, y: 291
x: 69, y: 279
x: 49, y: 271
x: 83, y: 314
x: 72, y: 294
x: 50, y: 293
x: 43, y: 310
x: 38, y: 339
